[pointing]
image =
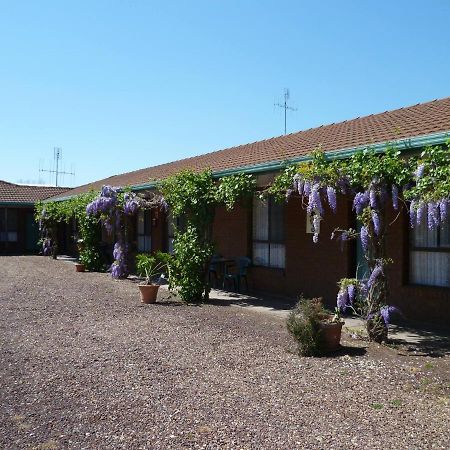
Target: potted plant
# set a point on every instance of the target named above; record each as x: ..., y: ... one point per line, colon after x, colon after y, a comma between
x: 79, y: 266
x: 149, y: 267
x: 316, y: 330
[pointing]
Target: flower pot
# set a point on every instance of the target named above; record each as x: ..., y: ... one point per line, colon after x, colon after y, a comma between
x: 331, y: 335
x: 79, y: 267
x: 148, y: 292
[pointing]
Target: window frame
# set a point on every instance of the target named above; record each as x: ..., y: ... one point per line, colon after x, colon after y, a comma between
x: 147, y: 226
x: 7, y: 230
x: 269, y: 241
x: 414, y: 248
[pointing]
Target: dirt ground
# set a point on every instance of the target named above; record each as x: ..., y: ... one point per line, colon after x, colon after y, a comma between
x: 84, y: 365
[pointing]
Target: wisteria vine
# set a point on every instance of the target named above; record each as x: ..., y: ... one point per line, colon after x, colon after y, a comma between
x: 372, y: 181
x: 111, y: 207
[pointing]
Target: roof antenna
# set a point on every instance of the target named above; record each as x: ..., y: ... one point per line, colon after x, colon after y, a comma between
x: 285, y: 107
x: 57, y: 155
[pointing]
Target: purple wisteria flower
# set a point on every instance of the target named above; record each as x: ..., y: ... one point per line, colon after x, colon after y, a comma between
x: 307, y: 188
x: 314, y: 200
x: 316, y: 223
x: 342, y: 299
x: 419, y: 171
x: 364, y: 236
x: 421, y: 212
x: 377, y: 271
x: 47, y: 247
x: 351, y: 293
x: 373, y: 198
x: 443, y: 210
x: 119, y: 267
x: 395, y: 197
x: 131, y: 206
x: 376, y: 222
x: 360, y: 201
x: 412, y: 214
x: 433, y: 218
x: 386, y: 313
x: 331, y: 195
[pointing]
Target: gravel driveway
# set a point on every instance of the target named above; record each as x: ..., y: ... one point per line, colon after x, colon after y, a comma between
x: 85, y: 365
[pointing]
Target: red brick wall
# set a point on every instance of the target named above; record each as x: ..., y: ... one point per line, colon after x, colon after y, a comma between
x: 311, y: 269
x: 314, y: 269
x: 421, y: 303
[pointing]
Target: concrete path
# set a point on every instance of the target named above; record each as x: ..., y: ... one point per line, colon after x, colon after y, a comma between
x: 416, y: 337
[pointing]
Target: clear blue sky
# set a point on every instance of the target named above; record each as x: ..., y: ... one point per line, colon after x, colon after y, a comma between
x: 122, y: 85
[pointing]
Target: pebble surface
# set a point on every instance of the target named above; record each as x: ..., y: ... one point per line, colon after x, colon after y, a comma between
x: 84, y: 365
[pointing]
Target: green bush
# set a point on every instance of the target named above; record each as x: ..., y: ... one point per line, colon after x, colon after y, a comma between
x: 150, y: 266
x: 190, y: 266
x: 303, y: 324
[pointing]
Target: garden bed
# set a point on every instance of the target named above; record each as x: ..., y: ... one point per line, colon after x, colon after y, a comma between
x: 84, y: 364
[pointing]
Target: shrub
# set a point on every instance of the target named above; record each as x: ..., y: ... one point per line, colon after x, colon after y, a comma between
x: 150, y: 266
x: 303, y: 324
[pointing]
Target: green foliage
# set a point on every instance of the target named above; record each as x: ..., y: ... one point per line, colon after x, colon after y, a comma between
x: 434, y: 184
x: 149, y: 266
x: 190, y: 194
x: 365, y: 166
x: 321, y: 168
x: 52, y: 213
x: 194, y: 196
x: 189, y: 273
x: 282, y: 183
x: 233, y: 188
x: 303, y: 324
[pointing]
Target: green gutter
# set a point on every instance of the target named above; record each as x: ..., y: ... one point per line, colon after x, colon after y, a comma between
x: 405, y: 144
x: 401, y: 144
x: 16, y: 204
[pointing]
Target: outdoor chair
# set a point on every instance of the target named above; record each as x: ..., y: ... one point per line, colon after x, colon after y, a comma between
x: 239, y: 273
x: 213, y: 271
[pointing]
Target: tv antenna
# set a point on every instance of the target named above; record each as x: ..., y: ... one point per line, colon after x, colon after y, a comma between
x: 57, y: 155
x: 285, y: 107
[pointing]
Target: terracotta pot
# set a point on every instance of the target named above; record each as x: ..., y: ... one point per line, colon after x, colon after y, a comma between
x: 331, y: 335
x: 79, y: 267
x: 148, y: 292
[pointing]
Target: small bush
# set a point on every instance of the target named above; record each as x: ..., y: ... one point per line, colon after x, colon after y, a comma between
x: 150, y: 266
x: 303, y: 324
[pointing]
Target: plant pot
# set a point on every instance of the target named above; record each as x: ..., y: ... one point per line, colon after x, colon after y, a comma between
x: 148, y: 292
x: 331, y: 335
x: 79, y: 267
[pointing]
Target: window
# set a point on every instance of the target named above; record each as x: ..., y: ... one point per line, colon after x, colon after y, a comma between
x: 430, y: 255
x: 268, y: 233
x: 144, y: 231
x: 177, y: 223
x: 8, y: 225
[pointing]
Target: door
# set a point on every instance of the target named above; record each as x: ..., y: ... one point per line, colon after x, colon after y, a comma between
x: 32, y: 233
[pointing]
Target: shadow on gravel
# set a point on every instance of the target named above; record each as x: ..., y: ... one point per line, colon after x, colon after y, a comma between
x: 426, y: 342
x: 277, y: 304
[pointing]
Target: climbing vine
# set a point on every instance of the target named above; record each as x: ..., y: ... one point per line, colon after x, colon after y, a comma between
x: 50, y: 214
x: 372, y: 180
x: 194, y: 196
x: 112, y: 207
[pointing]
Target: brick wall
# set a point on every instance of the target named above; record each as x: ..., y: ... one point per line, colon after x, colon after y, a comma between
x: 314, y: 269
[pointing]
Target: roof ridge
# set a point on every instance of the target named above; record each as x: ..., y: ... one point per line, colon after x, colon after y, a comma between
x: 420, y: 119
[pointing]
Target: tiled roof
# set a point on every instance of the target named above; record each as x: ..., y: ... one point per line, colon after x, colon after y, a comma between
x: 17, y: 193
x: 418, y: 120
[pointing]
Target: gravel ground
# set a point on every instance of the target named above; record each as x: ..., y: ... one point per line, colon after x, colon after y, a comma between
x: 85, y: 365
